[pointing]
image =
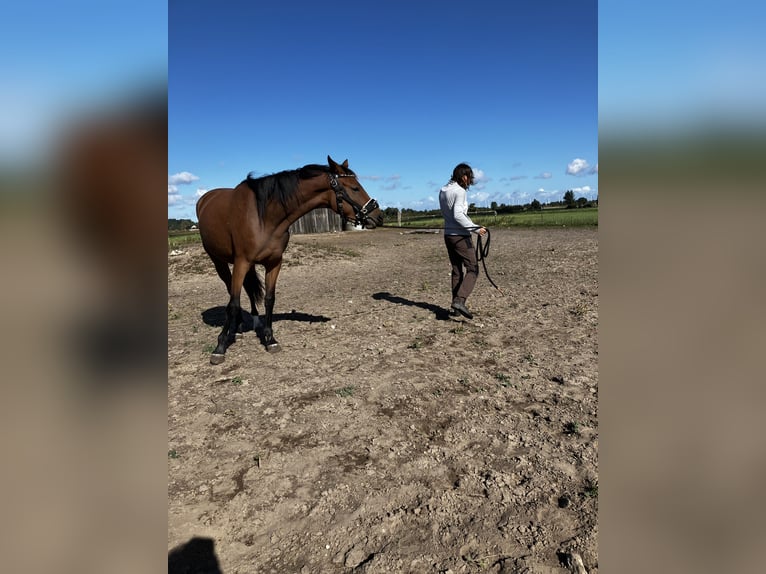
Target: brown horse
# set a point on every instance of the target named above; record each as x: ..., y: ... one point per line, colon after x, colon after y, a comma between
x: 250, y: 224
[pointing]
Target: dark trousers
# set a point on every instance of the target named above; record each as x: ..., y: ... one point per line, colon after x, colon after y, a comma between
x: 465, y: 268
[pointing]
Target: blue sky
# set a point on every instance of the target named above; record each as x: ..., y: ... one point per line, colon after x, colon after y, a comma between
x: 404, y: 90
x: 665, y: 66
x: 63, y: 59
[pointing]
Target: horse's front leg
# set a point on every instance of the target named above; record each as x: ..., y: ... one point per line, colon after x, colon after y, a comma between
x: 272, y: 272
x: 233, y: 314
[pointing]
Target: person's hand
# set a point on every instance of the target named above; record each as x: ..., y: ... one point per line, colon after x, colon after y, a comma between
x: 482, y: 231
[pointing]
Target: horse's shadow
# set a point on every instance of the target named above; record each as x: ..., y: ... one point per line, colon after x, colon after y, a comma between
x: 216, y: 317
x: 440, y: 313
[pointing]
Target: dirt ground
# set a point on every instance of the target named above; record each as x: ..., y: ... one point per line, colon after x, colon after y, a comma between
x: 386, y: 436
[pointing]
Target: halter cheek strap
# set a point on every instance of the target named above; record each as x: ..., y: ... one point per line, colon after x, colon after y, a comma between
x: 361, y: 212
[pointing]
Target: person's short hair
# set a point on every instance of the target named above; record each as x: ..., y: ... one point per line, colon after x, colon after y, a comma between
x: 460, y: 170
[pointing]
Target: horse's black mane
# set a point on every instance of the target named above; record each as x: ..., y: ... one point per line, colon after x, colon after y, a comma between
x: 281, y: 186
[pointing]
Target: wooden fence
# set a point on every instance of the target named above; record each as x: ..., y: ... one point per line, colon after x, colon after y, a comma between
x: 317, y: 221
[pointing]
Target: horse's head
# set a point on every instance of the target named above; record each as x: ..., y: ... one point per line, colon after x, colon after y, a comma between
x: 352, y: 200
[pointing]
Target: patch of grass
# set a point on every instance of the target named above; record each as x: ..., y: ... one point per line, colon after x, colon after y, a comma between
x: 172, y: 453
x: 237, y: 380
x: 579, y: 309
x: 416, y: 344
x: 482, y: 562
x: 209, y: 348
x: 346, y: 391
x: 530, y: 358
x: 591, y: 490
x: 505, y: 380
x: 422, y: 341
x: 467, y: 384
x: 481, y: 343
x: 572, y: 428
x: 457, y: 330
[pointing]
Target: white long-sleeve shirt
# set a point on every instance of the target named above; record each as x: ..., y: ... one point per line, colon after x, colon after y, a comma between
x: 452, y: 200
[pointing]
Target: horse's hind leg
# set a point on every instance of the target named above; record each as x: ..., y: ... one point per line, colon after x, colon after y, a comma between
x: 222, y: 268
x: 272, y: 272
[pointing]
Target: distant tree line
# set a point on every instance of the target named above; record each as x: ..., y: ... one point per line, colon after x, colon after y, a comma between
x: 180, y: 224
x: 570, y: 202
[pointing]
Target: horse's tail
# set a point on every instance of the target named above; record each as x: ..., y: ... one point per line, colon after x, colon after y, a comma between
x: 254, y: 286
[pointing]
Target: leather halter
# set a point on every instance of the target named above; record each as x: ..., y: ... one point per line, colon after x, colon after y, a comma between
x: 361, y: 212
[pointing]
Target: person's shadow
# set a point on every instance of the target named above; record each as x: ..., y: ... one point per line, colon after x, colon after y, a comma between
x: 195, y: 557
x: 440, y: 313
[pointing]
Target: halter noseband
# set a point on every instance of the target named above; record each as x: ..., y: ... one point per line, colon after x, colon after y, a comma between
x: 361, y: 212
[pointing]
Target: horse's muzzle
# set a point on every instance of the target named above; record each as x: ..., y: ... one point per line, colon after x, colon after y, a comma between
x: 371, y: 222
x: 366, y: 212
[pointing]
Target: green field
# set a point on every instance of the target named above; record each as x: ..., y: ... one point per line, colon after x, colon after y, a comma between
x: 586, y: 216
x: 178, y: 239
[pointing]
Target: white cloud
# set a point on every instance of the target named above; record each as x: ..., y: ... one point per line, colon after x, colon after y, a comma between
x: 544, y: 175
x: 479, y: 197
x: 577, y: 166
x: 200, y: 192
x: 182, y: 178
x: 174, y: 197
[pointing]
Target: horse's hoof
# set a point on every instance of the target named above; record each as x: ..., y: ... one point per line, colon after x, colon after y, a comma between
x: 217, y: 358
x: 239, y: 336
x: 273, y: 348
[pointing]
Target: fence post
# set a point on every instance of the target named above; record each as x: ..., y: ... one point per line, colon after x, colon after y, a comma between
x: 399, y: 217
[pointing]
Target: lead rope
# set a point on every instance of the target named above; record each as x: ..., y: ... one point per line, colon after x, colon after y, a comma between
x: 482, y: 249
x: 482, y: 252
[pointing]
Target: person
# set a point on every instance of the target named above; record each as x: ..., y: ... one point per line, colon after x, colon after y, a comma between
x: 457, y: 237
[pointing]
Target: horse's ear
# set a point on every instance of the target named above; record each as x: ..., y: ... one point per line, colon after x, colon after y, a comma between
x: 331, y: 163
x: 345, y: 164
